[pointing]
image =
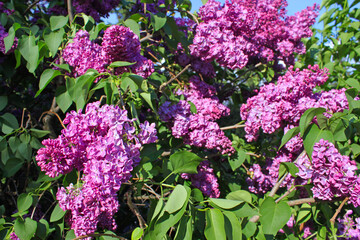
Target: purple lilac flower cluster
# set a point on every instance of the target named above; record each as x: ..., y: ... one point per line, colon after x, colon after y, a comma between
x: 119, y: 44
x: 281, y: 104
x: 332, y: 174
x: 242, y: 32
x: 104, y: 145
x: 95, y: 8
x: 198, y: 129
x: 205, y: 180
x: 347, y: 228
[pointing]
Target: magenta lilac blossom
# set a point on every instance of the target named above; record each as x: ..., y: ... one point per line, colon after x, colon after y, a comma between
x: 348, y: 228
x: 198, y: 129
x: 104, y: 145
x: 242, y: 32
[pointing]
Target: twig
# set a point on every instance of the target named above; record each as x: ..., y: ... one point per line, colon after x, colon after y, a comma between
x: 332, y: 220
x: 69, y: 9
x: 233, y: 127
x: 301, y: 201
x: 22, y: 118
x: 285, y: 194
x: 148, y: 36
x: 135, y: 210
x: 253, y: 154
x: 174, y: 77
x: 31, y: 6
x: 193, y: 16
x: 99, y: 235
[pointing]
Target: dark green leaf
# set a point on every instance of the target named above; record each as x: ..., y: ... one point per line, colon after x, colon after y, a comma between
x: 158, y: 20
x: 3, y: 102
x: 215, y: 225
x: 274, y: 216
x: 185, y: 229
x: 232, y: 226
x: 53, y: 40
x: 25, y: 230
x: 38, y: 133
x: 176, y: 199
x: 185, y: 162
x: 9, y: 123
x: 235, y: 163
x: 30, y: 51
x: 291, y: 168
x: 42, y: 229
x: 9, y: 39
x: 63, y: 98
x: 289, y: 135
x: 57, y: 22
x: 307, y: 117
x: 57, y: 214
x: 46, y: 77
x: 24, y: 202
x: 240, y: 195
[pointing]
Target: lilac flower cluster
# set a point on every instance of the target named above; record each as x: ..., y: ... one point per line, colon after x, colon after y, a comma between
x: 198, y: 129
x: 104, y: 145
x: 277, y: 105
x: 95, y: 8
x: 332, y: 174
x: 242, y: 32
x: 119, y: 44
x: 347, y: 228
x: 205, y: 180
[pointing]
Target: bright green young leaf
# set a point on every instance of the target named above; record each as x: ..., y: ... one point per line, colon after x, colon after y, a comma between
x: 240, y: 195
x: 57, y: 214
x: 46, y: 77
x: 147, y: 97
x: 232, y: 226
x: 53, y: 40
x: 176, y: 199
x: 289, y: 135
x: 185, y: 162
x: 274, y: 215
x: 185, y: 229
x: 137, y: 233
x: 30, y: 51
x: 25, y: 230
x: 215, y: 225
x: 225, y: 203
x: 3, y: 102
x: 57, y: 22
x: 204, y: 1
x: 24, y: 202
x: 133, y: 25
x: 307, y: 117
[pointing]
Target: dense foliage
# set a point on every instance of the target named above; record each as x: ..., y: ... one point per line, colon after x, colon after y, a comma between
x: 234, y: 122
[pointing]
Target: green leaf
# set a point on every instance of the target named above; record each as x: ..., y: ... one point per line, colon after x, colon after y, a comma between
x: 249, y: 229
x: 235, y: 163
x: 225, y: 203
x: 57, y: 214
x: 42, y: 229
x: 274, y: 216
x: 215, y: 228
x: 147, y: 98
x: 192, y: 107
x: 12, y: 166
x: 176, y: 200
x: 25, y: 230
x: 345, y: 36
x: 70, y: 235
x: 158, y: 20
x: 232, y: 226
x: 128, y: 83
x: 289, y: 135
x: 313, y: 135
x: 353, y: 83
x: 303, y: 213
x: 9, y: 123
x: 307, y: 117
x: 291, y: 168
x: 185, y: 162
x: 240, y: 195
x: 185, y: 229
x: 24, y: 202
x: 9, y: 39
x: 121, y: 64
x: 65, y: 67
x: 53, y: 40
x: 137, y: 233
x: 46, y: 77
x: 63, y: 98
x: 133, y: 25
x: 204, y: 1
x: 38, y: 133
x: 3, y: 102
x: 30, y: 51
x: 57, y: 22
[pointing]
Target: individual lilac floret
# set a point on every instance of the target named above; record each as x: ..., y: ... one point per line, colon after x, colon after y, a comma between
x: 104, y: 144
x: 277, y: 105
x: 198, y: 129
x: 119, y: 44
x: 247, y: 32
x: 205, y: 180
x: 348, y: 228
